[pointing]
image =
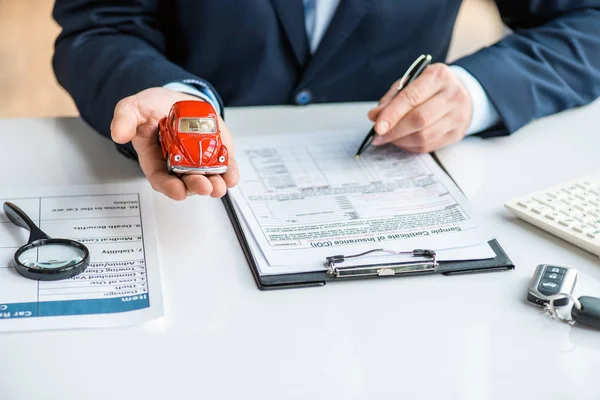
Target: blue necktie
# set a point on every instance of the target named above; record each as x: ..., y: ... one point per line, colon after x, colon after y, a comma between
x: 310, y: 18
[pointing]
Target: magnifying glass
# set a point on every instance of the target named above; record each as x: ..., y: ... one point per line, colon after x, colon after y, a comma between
x: 44, y: 258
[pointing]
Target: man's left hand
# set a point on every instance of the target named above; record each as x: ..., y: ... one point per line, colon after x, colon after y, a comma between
x: 431, y: 112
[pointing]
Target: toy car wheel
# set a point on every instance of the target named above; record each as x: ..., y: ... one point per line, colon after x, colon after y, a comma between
x: 222, y: 159
x: 169, y: 162
x: 159, y: 136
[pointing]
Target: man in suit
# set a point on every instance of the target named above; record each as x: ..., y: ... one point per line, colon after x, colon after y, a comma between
x: 125, y: 63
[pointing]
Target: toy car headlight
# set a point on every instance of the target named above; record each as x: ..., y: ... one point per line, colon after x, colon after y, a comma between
x: 177, y: 157
x: 208, y: 125
x: 221, y: 159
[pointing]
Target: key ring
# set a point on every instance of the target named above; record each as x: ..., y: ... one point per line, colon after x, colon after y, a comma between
x: 551, y: 309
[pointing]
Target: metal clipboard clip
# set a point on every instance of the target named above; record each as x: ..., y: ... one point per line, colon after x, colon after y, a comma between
x: 429, y: 265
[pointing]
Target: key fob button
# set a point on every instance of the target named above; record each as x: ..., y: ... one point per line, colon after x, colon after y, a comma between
x: 554, y: 276
x: 546, y: 284
x: 557, y: 270
x: 548, y: 287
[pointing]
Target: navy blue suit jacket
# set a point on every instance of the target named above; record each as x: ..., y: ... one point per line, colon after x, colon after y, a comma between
x: 255, y: 52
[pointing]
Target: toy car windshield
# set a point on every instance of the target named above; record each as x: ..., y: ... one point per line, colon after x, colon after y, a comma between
x: 197, y: 125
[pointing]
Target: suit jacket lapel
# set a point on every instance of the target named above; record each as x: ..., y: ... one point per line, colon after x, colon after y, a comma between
x: 345, y: 20
x: 291, y: 17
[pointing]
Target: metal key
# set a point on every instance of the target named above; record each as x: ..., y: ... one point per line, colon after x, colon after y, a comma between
x: 586, y: 311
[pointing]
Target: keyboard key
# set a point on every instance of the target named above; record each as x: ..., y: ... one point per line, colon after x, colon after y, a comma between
x: 539, y: 209
x: 594, y: 190
x: 578, y: 228
x: 547, y: 201
x: 571, y: 189
x: 567, y: 222
x: 595, y: 201
x: 588, y: 195
x: 556, y: 194
x: 594, y: 234
x: 582, y: 217
x: 553, y: 215
x: 569, y: 200
x: 583, y: 206
x: 590, y: 186
x: 574, y: 191
x: 568, y: 210
x: 526, y: 203
x: 585, y: 229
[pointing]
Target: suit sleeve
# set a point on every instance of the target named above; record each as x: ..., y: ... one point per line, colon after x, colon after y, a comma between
x: 108, y: 50
x: 549, y: 63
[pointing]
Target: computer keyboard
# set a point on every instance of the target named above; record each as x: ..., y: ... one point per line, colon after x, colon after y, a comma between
x: 569, y: 210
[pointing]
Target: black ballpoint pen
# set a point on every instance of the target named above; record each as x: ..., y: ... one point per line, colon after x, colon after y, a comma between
x: 411, y: 74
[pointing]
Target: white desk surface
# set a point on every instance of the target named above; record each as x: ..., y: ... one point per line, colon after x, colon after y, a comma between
x: 428, y: 337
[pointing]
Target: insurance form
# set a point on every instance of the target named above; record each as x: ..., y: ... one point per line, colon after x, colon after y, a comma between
x: 121, y: 286
x: 305, y: 197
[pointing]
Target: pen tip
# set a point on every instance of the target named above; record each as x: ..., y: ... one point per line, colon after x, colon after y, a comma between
x: 356, y: 156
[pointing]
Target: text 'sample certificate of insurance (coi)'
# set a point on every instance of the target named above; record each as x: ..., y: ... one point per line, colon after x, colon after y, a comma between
x: 120, y: 287
x: 306, y: 197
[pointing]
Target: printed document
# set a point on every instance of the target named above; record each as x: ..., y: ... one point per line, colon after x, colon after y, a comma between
x: 475, y: 252
x: 305, y: 197
x: 120, y: 287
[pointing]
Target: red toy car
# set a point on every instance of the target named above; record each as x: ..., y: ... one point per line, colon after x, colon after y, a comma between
x: 191, y: 140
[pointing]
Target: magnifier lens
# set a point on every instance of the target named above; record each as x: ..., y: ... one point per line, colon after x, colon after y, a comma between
x: 51, y: 256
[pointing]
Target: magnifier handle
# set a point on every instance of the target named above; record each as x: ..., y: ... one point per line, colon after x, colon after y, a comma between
x: 19, y: 218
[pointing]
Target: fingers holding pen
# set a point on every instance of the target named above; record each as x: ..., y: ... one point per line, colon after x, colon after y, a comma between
x: 417, y: 119
x: 430, y: 112
x: 413, y: 95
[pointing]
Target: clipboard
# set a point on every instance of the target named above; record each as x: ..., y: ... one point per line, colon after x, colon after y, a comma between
x: 424, y: 262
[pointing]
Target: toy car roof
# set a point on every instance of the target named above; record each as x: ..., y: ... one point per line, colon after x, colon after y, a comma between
x: 194, y: 108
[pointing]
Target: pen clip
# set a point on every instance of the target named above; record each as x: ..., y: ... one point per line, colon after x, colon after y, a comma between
x: 414, y: 70
x: 381, y: 269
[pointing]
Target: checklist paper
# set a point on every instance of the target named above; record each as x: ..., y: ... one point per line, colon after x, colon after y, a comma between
x: 302, y: 198
x: 121, y: 286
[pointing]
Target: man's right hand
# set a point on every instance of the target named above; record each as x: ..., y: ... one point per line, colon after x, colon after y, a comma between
x: 136, y: 120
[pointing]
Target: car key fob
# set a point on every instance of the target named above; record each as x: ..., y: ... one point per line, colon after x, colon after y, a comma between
x: 550, y: 280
